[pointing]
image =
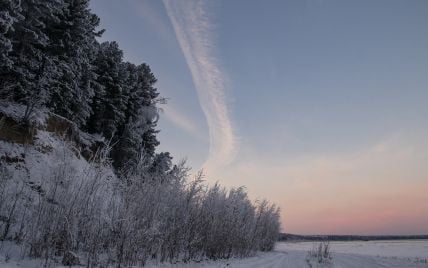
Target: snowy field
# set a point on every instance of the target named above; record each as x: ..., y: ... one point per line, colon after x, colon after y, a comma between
x: 393, y: 248
x: 355, y: 254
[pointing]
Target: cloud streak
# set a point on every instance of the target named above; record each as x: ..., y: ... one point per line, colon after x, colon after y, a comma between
x: 193, y: 32
x: 182, y: 121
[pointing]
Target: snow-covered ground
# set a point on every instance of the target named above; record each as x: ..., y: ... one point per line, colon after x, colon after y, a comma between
x: 355, y: 254
x: 393, y: 248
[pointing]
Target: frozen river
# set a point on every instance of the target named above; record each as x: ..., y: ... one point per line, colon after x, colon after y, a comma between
x: 355, y: 254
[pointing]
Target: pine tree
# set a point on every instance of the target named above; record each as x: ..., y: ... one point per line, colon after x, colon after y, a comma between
x: 9, y: 15
x: 138, y: 135
x: 111, y: 96
x: 74, y: 43
x: 145, y: 98
x: 33, y: 71
x: 162, y: 164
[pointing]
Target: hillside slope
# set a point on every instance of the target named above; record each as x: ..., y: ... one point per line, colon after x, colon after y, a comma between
x: 61, y: 201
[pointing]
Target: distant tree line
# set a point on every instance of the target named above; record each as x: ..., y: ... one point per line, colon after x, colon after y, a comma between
x: 294, y: 237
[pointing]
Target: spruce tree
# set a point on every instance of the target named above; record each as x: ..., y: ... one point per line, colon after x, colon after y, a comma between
x: 10, y: 13
x: 138, y: 135
x: 111, y: 96
x: 74, y: 43
x: 162, y: 164
x: 33, y: 71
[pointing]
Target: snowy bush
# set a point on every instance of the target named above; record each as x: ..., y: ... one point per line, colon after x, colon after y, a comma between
x: 142, y: 216
x: 321, y: 253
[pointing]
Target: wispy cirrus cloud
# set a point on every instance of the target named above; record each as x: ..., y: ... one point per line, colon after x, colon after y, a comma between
x: 182, y: 121
x: 194, y: 34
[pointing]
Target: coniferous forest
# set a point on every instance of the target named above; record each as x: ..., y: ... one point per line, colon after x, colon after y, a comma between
x: 123, y: 203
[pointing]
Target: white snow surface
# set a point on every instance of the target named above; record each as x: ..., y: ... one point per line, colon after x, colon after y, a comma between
x: 49, y: 151
x: 355, y: 254
x: 391, y: 248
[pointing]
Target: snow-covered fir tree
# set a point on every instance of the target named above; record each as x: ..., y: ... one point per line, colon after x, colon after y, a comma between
x: 138, y: 134
x: 72, y: 40
x: 10, y: 13
x: 110, y: 100
x: 33, y: 71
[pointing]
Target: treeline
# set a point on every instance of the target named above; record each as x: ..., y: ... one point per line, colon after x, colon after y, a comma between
x: 294, y: 237
x: 50, y: 57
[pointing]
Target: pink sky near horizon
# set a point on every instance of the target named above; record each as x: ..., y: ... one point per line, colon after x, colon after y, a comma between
x: 380, y: 190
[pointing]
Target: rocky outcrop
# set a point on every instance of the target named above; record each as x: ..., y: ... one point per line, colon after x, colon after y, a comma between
x: 13, y: 129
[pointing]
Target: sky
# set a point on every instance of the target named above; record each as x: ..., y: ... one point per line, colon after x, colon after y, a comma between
x: 320, y: 106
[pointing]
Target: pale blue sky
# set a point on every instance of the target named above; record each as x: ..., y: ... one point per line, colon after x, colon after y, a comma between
x: 310, y: 93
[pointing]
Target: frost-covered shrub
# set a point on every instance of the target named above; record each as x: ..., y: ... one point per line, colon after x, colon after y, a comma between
x: 321, y: 253
x: 142, y: 216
